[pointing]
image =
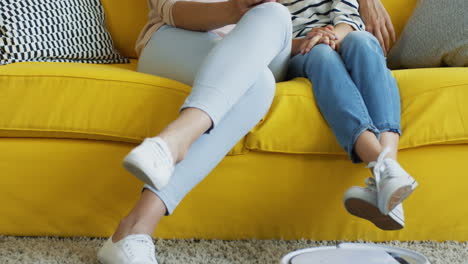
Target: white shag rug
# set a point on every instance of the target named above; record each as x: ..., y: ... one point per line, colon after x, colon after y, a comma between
x: 44, y: 250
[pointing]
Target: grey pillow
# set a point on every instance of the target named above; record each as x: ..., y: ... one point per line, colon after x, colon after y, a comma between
x: 435, y: 35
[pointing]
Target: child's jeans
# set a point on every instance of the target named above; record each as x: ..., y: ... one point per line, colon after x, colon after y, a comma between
x: 354, y: 90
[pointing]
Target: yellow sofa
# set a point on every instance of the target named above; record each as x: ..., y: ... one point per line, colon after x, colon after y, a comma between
x: 64, y: 129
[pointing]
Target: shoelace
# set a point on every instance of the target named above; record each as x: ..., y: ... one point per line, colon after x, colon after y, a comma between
x: 379, y: 166
x: 140, y: 247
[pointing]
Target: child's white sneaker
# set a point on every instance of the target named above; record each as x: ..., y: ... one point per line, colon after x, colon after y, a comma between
x: 393, y: 183
x: 151, y: 162
x: 362, y: 202
x: 133, y: 249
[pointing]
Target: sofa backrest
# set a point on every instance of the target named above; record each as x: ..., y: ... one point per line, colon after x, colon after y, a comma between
x: 125, y: 18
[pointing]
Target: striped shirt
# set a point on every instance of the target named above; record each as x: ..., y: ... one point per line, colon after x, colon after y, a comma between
x: 308, y: 14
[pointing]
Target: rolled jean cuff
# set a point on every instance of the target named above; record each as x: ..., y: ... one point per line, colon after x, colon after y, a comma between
x: 209, y: 100
x: 170, y: 205
x: 387, y: 127
x: 213, y: 117
x: 350, y: 149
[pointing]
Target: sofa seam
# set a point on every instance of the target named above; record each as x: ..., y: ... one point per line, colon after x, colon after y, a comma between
x: 461, y: 115
x: 115, y: 136
x: 343, y: 153
x: 99, y: 79
x: 299, y: 95
x: 435, y: 89
x: 69, y: 131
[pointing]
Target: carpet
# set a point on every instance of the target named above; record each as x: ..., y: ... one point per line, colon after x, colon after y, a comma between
x: 44, y: 250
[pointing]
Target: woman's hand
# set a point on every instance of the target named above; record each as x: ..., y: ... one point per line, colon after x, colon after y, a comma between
x: 378, y: 22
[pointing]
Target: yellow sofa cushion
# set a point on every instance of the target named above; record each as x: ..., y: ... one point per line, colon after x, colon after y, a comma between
x: 113, y: 102
x: 102, y: 102
x: 434, y: 111
x: 72, y: 100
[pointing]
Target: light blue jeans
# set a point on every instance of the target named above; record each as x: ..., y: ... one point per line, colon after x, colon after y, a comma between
x: 354, y: 90
x: 233, y: 81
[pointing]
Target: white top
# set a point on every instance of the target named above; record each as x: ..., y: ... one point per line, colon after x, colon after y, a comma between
x: 308, y: 14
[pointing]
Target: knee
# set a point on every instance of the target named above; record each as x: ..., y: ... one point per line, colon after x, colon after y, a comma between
x: 322, y: 51
x: 276, y: 13
x: 358, y: 41
x: 360, y: 38
x: 264, y: 89
x: 321, y: 56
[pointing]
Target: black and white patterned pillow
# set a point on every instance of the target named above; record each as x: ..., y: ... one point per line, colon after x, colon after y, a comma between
x: 55, y: 31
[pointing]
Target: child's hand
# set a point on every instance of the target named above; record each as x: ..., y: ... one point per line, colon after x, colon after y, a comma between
x: 332, y: 35
x: 316, y: 36
x: 327, y: 32
x: 325, y: 35
x: 308, y: 43
x: 329, y: 36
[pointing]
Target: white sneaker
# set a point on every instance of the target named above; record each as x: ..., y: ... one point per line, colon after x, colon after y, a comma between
x: 133, y: 249
x: 151, y: 162
x: 362, y: 202
x: 394, y: 184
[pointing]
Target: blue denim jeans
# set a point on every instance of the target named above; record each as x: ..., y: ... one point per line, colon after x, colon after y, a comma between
x: 354, y: 89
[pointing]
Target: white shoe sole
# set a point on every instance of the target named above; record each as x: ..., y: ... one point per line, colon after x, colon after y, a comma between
x: 395, y: 197
x: 151, y: 162
x: 110, y: 254
x: 368, y: 211
x: 104, y: 252
x: 132, y: 165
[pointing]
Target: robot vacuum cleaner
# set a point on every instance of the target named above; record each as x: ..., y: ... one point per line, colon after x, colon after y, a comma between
x: 354, y: 253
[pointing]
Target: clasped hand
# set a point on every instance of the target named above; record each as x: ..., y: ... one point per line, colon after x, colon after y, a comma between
x: 325, y: 35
